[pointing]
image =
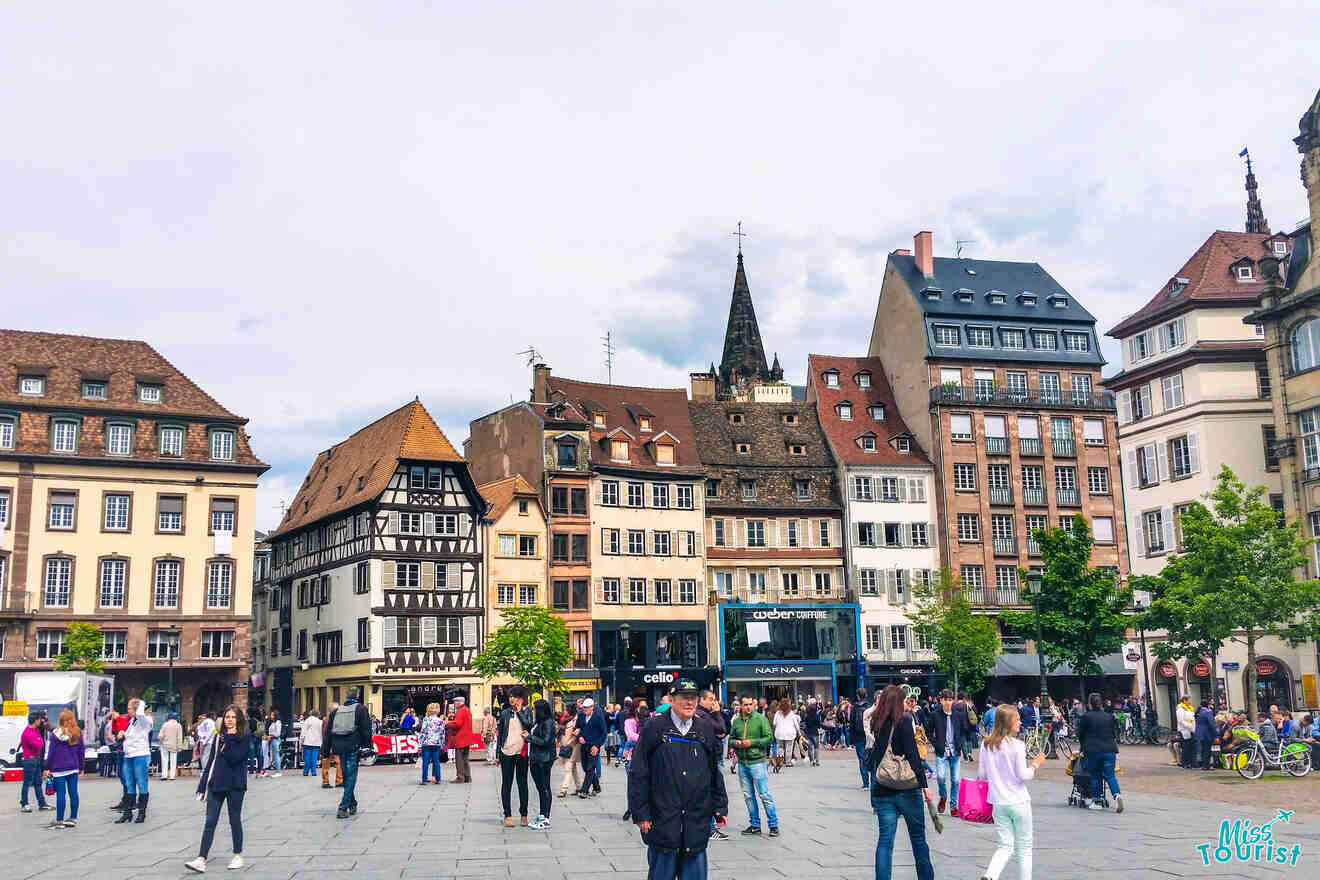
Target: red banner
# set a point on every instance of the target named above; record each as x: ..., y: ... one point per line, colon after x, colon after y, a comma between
x: 1266, y: 667
x: 1201, y: 670
x: 1168, y: 670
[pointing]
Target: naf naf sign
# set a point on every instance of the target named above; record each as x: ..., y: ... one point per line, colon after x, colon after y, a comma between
x: 780, y: 669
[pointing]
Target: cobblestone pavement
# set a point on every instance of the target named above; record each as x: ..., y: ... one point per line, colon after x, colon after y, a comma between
x: 407, y: 830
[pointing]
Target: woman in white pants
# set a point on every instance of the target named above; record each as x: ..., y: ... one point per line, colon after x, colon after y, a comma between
x: 171, y: 742
x: 1003, y: 764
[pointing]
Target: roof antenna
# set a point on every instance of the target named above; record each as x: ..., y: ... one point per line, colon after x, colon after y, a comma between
x: 533, y: 356
x: 607, y: 342
x: 961, y: 242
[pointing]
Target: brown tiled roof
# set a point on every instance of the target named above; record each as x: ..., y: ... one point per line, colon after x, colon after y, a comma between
x: 66, y: 360
x: 843, y: 434
x: 1209, y: 281
x: 370, y: 456
x: 764, y: 429
x: 623, y: 405
x: 501, y: 493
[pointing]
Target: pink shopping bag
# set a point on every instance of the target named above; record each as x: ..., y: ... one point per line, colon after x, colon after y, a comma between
x: 972, y: 801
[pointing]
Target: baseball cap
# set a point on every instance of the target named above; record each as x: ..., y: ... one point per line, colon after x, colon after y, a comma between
x: 588, y: 703
x: 686, y: 686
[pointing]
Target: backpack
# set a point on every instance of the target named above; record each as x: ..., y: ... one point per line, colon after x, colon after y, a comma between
x: 345, y: 723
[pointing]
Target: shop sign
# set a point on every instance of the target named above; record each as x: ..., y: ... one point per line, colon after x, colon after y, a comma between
x: 239, y: 685
x: 913, y: 671
x: 790, y: 614
x: 778, y: 670
x: 1231, y: 665
x: 1309, y: 690
x: 1201, y: 670
x: 15, y: 707
x: 771, y: 669
x: 658, y: 678
x: 570, y: 685
x: 1266, y: 667
x: 1168, y: 670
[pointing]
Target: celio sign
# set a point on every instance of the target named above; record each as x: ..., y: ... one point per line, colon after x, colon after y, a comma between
x: 658, y: 678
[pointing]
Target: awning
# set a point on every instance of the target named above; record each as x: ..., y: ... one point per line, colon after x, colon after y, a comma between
x: 1029, y: 665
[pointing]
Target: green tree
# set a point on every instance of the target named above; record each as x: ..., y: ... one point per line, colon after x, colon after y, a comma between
x: 531, y: 646
x: 1081, y: 608
x: 82, y: 649
x: 1239, y: 557
x: 965, y: 644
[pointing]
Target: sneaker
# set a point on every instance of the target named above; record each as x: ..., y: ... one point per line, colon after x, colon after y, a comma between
x: 352, y: 811
x: 508, y: 821
x: 943, y: 802
x: 752, y: 829
x: 325, y: 785
x: 341, y: 813
x: 53, y: 824
x: 70, y: 823
x: 717, y: 834
x: 954, y: 812
x: 25, y: 808
x: 774, y: 830
x: 235, y: 863
x: 198, y: 864
x: 45, y: 807
x: 276, y: 775
x: 1118, y: 803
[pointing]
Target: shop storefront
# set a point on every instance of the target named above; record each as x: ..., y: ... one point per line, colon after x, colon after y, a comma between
x: 789, y: 651
x: 394, y: 700
x: 920, y: 679
x: 1273, y: 685
x: 657, y: 651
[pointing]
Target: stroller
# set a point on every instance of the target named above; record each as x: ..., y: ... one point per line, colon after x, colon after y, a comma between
x: 1081, y: 783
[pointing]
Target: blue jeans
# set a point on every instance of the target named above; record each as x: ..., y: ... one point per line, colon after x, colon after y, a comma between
x: 860, y: 746
x: 273, y: 754
x: 755, y: 783
x: 888, y: 807
x: 431, y: 758
x: 254, y: 754
x: 32, y: 777
x: 664, y: 864
x: 66, y: 787
x: 1101, y: 768
x: 135, y: 774
x: 946, y: 771
x: 349, y: 761
x: 311, y: 757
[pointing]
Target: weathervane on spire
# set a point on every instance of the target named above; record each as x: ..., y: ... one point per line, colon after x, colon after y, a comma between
x: 741, y: 235
x: 1256, y: 221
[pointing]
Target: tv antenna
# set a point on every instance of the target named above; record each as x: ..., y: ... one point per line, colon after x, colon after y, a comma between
x: 533, y: 356
x: 607, y: 343
x: 961, y: 242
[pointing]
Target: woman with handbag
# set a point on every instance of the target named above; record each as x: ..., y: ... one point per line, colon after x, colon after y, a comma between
x: 542, y: 752
x: 896, y: 775
x: 224, y: 782
x: 431, y: 738
x: 1003, y: 766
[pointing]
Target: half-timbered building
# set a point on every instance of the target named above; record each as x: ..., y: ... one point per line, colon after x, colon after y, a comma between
x: 377, y: 572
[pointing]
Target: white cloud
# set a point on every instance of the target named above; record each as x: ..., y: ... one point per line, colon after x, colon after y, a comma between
x: 320, y: 210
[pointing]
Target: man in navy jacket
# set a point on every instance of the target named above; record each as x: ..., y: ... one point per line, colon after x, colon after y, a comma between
x: 591, y: 735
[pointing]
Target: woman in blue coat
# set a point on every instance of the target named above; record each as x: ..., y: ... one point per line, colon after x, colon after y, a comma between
x: 1204, y: 735
x: 224, y: 781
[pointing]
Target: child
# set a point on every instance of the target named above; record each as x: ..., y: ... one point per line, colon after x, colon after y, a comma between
x: 1004, y: 765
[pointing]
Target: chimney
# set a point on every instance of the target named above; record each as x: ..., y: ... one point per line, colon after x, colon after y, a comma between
x: 540, y: 383
x: 703, y: 386
x: 921, y: 246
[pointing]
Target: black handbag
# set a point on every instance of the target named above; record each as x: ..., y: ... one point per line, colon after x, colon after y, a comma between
x: 565, y: 751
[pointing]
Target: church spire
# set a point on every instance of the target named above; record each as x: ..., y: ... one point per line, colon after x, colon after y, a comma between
x: 744, y: 356
x: 1256, y: 221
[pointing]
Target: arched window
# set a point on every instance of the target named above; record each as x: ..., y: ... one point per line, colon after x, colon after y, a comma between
x: 1306, y: 345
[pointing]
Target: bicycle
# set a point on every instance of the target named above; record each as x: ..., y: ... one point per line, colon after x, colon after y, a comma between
x: 1293, y: 758
x: 1037, y: 740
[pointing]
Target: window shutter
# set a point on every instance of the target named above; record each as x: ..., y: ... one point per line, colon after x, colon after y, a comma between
x: 915, y: 580
x: 741, y: 578
x: 1152, y: 470
x: 428, y: 523
x: 805, y: 538
x: 1124, y: 407
x: 902, y: 489
x: 836, y: 539
x: 1162, y: 450
x: 600, y: 589
x: 454, y: 575
x: 595, y: 491
x: 855, y: 534
x: 649, y: 546
x: 710, y: 530
x: 905, y: 535
x: 698, y: 548
x: 856, y: 575
x: 391, y: 632
x: 394, y: 522
x: 469, y: 632
x: 673, y: 543
x: 1194, y: 451
x: 604, y: 542
x: 773, y: 580
x: 464, y: 525
x: 772, y: 533
x: 1138, y: 540
x: 1133, y: 477
x: 891, y: 586
x: 1166, y: 520
x: 740, y: 539
x: 428, y: 576
x: 388, y: 579
x: 428, y: 632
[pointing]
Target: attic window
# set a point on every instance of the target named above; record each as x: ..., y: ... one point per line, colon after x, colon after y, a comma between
x: 148, y: 393
x: 797, y: 449
x: 964, y: 295
x: 1177, y: 285
x: 598, y: 419
x: 735, y: 418
x: 1245, y: 273
x: 867, y: 442
x: 33, y: 386
x: 522, y: 508
x: 1059, y: 302
x: 1027, y: 299
x: 1280, y: 248
x: 644, y: 423
x: 362, y: 482
x: 789, y: 418
x: 933, y: 293
x: 864, y: 380
x: 878, y: 413
x: 306, y: 505
x: 903, y: 445
x: 845, y: 411
x: 996, y: 298
x: 831, y: 378
x: 743, y: 448
x: 619, y: 450
x: 664, y: 453
x: 93, y: 390
x: 339, y: 492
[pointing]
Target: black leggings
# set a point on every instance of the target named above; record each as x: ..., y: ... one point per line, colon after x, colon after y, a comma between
x: 511, y: 767
x: 541, y: 777
x: 213, y: 801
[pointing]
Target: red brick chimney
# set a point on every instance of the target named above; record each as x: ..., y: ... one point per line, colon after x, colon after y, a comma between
x: 921, y: 246
x: 540, y: 383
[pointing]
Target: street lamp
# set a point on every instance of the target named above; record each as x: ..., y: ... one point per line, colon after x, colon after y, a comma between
x: 171, y: 654
x: 1035, y: 580
x: 622, y: 663
x: 1140, y: 602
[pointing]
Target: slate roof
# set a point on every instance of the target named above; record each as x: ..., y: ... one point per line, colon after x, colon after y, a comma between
x: 764, y: 429
x: 842, y: 435
x: 501, y: 493
x: 1300, y: 255
x: 371, y: 455
x: 1210, y: 280
x: 623, y: 406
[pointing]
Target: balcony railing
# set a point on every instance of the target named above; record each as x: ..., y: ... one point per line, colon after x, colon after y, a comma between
x: 996, y: 446
x: 1064, y: 446
x: 1068, y: 497
x: 1007, y: 596
x: 1013, y: 644
x: 582, y: 661
x: 15, y: 601
x: 1030, y: 446
x: 1034, y: 397
x: 1033, y: 547
x: 1311, y: 473
x: 1006, y: 546
x: 975, y: 595
x: 1035, y: 496
x: 1001, y: 495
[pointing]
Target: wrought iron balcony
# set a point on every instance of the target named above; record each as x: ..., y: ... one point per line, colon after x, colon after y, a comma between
x: 582, y: 661
x: 975, y: 595
x: 1030, y: 446
x: 1001, y: 495
x: 1007, y: 596
x: 1033, y: 547
x: 1064, y: 446
x: 1033, y: 397
x: 996, y: 446
x: 1034, y: 496
x: 1068, y: 497
x: 1006, y: 546
x: 1311, y: 473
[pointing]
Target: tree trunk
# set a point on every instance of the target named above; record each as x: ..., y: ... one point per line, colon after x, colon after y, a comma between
x: 1081, y: 683
x: 1214, y: 678
x: 1249, y: 699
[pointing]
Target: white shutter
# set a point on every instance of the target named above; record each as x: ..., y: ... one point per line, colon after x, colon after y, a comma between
x: 805, y: 538
x: 469, y: 632
x: 698, y: 547
x: 836, y: 538
x: 772, y: 533
x: 1166, y: 519
x: 855, y: 534
x: 453, y: 575
x: 464, y: 524
x: 1152, y: 470
x: 1124, y: 407
x: 1137, y: 540
x: 428, y: 632
x: 915, y: 580
x: 394, y: 522
x: 600, y: 589
x: 740, y: 580
x: 773, y: 581
x: 388, y: 579
x: 649, y: 542
x: 673, y: 543
x: 891, y: 586
x: 902, y: 489
x: 595, y: 491
x: 391, y: 632
x: 741, y: 537
x: 710, y: 529
x: 1162, y: 450
x: 1194, y: 452
x: 1134, y: 478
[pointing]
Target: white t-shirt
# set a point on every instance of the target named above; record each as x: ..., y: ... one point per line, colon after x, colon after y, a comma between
x: 311, y: 732
x: 787, y: 726
x: 1007, y: 771
x: 274, y: 729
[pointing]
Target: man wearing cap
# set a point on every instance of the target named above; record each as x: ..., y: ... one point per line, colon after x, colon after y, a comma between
x: 675, y: 788
x: 591, y: 736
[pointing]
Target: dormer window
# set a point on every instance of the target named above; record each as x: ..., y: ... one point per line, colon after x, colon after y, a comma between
x: 831, y: 378
x: 802, y: 489
x: 644, y: 423
x: 598, y: 419
x: 743, y: 448
x: 566, y: 454
x: 996, y: 298
x: 362, y: 483
x: 619, y: 450
x: 979, y: 337
x: 789, y: 418
x: 93, y: 390
x: 64, y: 435
x: 735, y: 418
x: 664, y: 453
x: 222, y: 444
x: 748, y: 489
x: 845, y: 411
x: 878, y: 413
x: 1178, y: 285
x: 171, y: 441
x: 864, y: 380
x: 1245, y: 272
x: 903, y: 445
x: 1058, y: 301
x: 1015, y: 339
x: 148, y: 393
x: 33, y: 386
x: 932, y: 293
x: 1044, y: 340
x: 1027, y: 299
x: 797, y: 449
x: 867, y: 442
x: 1280, y: 248
x: 964, y: 295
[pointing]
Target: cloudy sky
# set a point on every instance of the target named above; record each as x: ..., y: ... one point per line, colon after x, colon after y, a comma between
x: 319, y: 210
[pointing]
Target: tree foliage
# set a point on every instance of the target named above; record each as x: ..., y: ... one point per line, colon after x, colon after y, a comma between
x: 82, y: 649
x: 965, y: 644
x: 1081, y: 608
x: 531, y: 646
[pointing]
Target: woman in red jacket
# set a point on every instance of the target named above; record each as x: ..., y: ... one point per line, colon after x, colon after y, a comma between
x: 460, y: 736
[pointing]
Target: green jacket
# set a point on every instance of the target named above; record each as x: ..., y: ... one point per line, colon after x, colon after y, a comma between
x: 756, y: 729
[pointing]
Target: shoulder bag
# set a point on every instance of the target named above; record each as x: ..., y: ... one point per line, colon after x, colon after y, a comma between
x: 894, y: 771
